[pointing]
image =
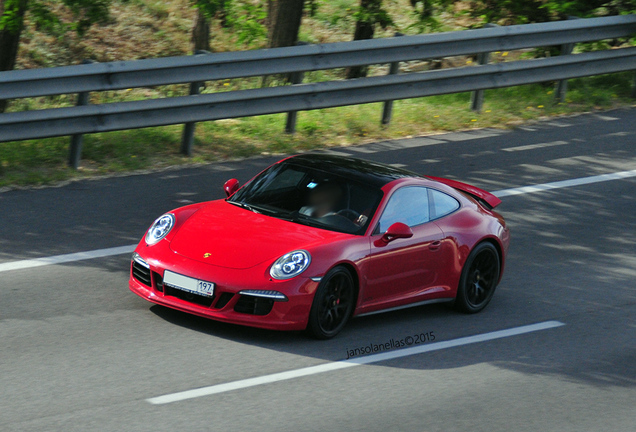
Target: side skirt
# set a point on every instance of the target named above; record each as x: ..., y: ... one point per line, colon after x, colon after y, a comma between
x: 425, y: 302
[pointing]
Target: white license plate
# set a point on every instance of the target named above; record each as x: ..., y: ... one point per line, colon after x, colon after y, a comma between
x: 185, y: 283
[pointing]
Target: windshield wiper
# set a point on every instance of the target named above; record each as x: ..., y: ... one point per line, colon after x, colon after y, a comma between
x: 245, y: 206
x: 257, y: 208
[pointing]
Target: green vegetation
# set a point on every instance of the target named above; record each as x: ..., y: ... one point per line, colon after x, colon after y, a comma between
x: 138, y: 29
x: 528, y: 11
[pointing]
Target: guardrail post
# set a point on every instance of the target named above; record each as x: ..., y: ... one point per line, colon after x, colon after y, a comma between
x: 387, y: 111
x: 292, y: 116
x: 75, y: 151
x: 290, y: 125
x: 562, y: 85
x: 187, y: 138
x: 477, y: 96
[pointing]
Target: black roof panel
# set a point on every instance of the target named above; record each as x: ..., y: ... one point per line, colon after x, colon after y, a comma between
x: 363, y: 171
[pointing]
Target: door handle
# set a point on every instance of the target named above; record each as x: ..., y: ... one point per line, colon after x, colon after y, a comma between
x: 435, y: 245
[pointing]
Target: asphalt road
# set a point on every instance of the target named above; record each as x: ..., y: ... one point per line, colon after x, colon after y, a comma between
x: 79, y: 352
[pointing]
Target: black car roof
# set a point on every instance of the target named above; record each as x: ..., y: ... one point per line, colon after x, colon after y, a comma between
x: 368, y: 172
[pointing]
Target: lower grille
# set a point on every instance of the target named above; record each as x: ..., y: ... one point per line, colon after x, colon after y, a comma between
x: 192, y: 298
x: 224, y: 299
x: 141, y: 273
x: 254, y: 305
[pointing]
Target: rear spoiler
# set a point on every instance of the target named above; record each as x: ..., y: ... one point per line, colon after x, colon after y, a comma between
x: 485, y: 198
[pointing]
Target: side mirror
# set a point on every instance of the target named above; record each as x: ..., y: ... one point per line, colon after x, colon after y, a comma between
x: 396, y: 231
x: 231, y: 186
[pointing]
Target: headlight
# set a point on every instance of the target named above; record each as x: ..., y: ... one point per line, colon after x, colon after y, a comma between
x: 290, y: 265
x: 160, y: 228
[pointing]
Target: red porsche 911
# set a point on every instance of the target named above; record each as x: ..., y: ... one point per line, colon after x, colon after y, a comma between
x: 314, y: 240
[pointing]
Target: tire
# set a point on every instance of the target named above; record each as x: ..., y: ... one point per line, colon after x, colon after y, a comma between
x: 479, y: 279
x: 333, y: 304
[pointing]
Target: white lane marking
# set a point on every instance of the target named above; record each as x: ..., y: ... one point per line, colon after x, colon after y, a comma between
x: 558, y: 124
x: 101, y: 253
x: 606, y: 118
x: 332, y: 366
x: 564, y: 184
x: 535, y: 146
x: 60, y: 259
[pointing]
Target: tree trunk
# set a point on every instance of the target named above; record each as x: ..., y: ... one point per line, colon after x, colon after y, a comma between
x: 364, y: 30
x: 201, y: 32
x: 284, y: 22
x: 272, y: 8
x: 10, y: 41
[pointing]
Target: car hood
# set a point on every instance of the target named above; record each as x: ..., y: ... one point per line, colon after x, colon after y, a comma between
x: 226, y: 235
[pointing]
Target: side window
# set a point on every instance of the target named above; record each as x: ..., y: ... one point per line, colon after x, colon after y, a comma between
x: 408, y: 205
x: 442, y: 204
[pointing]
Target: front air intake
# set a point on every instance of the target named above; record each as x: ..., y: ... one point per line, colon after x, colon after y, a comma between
x: 141, y: 273
x: 253, y: 305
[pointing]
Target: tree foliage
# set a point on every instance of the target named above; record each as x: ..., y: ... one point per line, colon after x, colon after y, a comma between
x: 211, y: 8
x: 427, y: 13
x: 247, y: 19
x: 530, y: 11
x: 243, y: 17
x: 85, y: 14
x: 11, y: 17
x: 372, y: 13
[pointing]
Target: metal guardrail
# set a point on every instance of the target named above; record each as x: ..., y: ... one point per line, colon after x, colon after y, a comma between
x: 195, y: 69
x: 215, y: 106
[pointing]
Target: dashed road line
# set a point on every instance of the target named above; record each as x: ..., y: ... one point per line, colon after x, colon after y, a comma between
x: 535, y: 146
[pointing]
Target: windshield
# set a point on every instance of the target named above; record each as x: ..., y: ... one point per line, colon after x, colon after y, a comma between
x: 310, y: 196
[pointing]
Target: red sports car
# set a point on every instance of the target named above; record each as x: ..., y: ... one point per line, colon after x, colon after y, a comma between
x: 314, y: 240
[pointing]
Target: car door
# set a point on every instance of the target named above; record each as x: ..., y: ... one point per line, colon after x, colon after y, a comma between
x: 404, y: 269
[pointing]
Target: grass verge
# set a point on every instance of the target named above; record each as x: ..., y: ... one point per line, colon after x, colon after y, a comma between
x: 41, y: 162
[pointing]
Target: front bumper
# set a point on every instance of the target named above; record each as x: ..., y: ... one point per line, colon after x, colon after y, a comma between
x: 227, y: 304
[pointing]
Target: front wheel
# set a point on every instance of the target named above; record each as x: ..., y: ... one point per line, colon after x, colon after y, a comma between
x: 479, y: 279
x: 332, y: 305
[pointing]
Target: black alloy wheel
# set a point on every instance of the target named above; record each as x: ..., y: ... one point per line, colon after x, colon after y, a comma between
x: 479, y: 279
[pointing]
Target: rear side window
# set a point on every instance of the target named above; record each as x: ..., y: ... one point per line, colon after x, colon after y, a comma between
x: 441, y: 204
x: 408, y: 205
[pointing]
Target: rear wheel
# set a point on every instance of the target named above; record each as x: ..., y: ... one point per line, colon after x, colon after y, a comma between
x: 332, y: 305
x: 479, y: 279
